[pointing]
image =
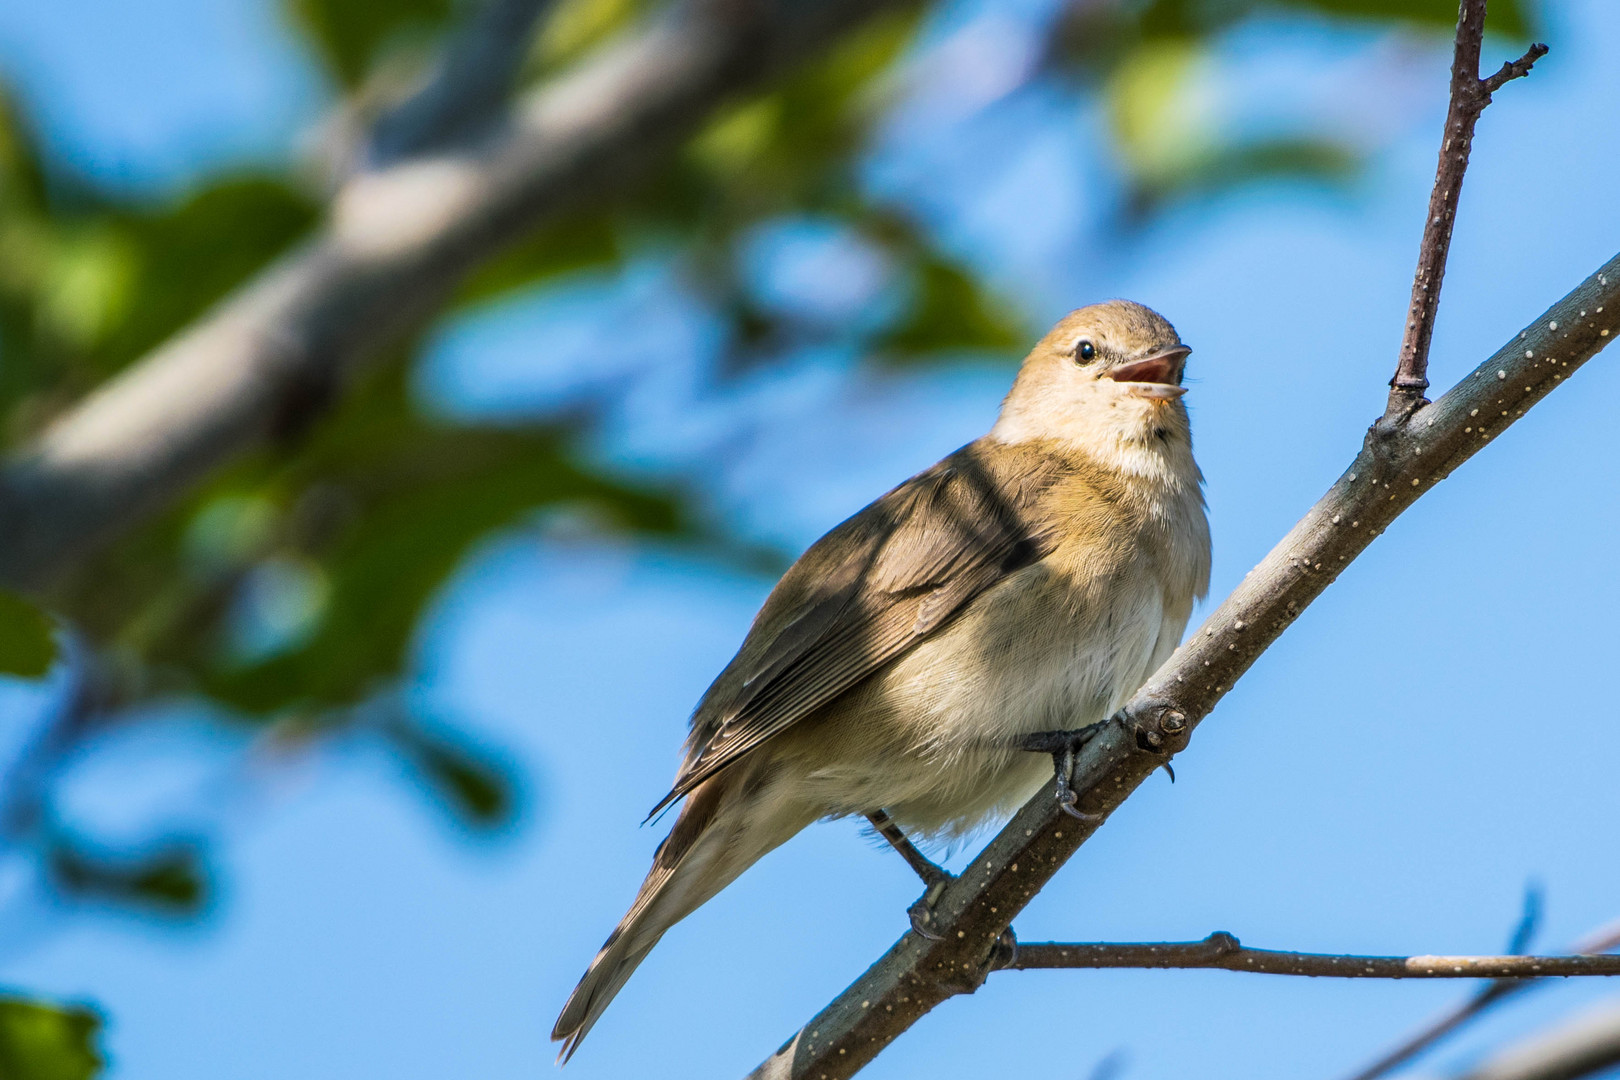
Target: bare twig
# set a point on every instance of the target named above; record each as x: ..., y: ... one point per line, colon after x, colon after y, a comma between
x: 1469, y: 96
x: 398, y: 241
x: 1602, y: 940
x: 1397, y: 464
x: 1585, y: 1046
x: 1222, y: 950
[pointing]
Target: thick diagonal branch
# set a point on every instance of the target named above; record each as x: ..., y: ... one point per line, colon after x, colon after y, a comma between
x: 398, y: 241
x: 1397, y: 464
x: 1469, y: 96
x: 1222, y: 950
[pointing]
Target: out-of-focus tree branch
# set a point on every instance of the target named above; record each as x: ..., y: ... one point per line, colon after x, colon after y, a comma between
x: 1584, y: 1046
x: 467, y: 89
x: 397, y: 242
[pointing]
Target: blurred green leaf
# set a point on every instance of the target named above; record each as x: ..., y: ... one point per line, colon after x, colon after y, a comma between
x: 168, y: 881
x: 580, y: 242
x: 1159, y: 120
x: 1188, y: 18
x: 1508, y: 17
x: 949, y: 310
x: 40, y: 1041
x: 574, y: 27
x: 792, y: 148
x: 27, y: 638
x: 1171, y: 148
x: 406, y: 497
x: 86, y: 291
x: 189, y: 255
x: 1228, y: 167
x: 477, y: 788
x: 350, y: 35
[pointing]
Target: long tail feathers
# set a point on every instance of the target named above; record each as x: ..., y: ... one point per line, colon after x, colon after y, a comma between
x: 684, y: 873
x: 618, y: 959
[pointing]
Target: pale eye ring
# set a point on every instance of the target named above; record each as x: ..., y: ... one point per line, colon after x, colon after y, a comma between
x: 1085, y: 352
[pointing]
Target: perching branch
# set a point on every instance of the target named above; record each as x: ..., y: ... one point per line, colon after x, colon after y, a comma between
x: 1397, y: 464
x: 1602, y: 940
x: 1222, y: 950
x: 1469, y: 96
x: 397, y: 242
x: 1403, y: 456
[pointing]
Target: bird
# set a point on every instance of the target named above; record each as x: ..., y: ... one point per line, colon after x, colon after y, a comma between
x: 1008, y: 599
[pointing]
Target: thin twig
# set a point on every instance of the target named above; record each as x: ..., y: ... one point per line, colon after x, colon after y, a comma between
x: 1469, y: 96
x: 1222, y: 950
x: 1602, y: 940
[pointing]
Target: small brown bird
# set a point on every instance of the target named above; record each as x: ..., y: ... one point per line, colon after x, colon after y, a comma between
x: 1002, y: 601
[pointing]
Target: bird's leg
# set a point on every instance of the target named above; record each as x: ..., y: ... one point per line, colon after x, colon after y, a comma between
x: 1065, y: 747
x: 934, y: 877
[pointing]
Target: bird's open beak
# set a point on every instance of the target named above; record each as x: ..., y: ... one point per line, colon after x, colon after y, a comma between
x: 1157, y: 377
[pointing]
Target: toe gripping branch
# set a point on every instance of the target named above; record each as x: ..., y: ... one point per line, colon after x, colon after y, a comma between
x: 1162, y: 734
x: 1065, y: 747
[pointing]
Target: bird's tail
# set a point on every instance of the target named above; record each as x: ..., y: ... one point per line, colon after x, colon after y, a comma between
x: 704, y: 852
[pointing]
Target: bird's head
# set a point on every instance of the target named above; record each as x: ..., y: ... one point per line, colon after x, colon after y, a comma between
x: 1106, y: 376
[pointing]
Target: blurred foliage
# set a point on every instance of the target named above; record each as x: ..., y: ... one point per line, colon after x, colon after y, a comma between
x: 27, y: 638
x: 168, y: 881
x: 39, y: 1041
x: 476, y: 787
x: 288, y: 590
x: 352, y: 37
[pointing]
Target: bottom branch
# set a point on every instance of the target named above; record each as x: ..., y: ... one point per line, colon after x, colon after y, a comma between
x: 1222, y: 950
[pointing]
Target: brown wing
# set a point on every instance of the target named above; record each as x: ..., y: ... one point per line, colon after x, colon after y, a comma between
x: 866, y: 593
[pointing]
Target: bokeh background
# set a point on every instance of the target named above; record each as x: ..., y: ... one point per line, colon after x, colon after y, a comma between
x: 340, y: 766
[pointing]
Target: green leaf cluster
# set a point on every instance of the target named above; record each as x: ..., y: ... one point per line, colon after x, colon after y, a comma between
x: 27, y: 638
x: 41, y: 1041
x: 1151, y: 63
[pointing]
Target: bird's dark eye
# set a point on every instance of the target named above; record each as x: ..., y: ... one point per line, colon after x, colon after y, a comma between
x: 1085, y: 352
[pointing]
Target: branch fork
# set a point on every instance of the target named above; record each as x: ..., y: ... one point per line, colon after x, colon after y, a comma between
x: 1469, y: 96
x: 1414, y: 446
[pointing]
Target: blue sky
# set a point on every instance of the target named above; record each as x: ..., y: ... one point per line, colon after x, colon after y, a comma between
x: 1387, y: 779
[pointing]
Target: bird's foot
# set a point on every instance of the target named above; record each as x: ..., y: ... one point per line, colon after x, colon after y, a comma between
x: 1004, y: 953
x: 921, y: 913
x: 1065, y: 747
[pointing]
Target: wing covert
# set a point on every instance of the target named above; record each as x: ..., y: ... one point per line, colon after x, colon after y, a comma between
x: 865, y: 594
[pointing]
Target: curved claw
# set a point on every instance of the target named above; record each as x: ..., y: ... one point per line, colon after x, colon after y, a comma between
x: 1069, y: 803
x: 1004, y: 953
x: 919, y: 922
x: 921, y: 913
